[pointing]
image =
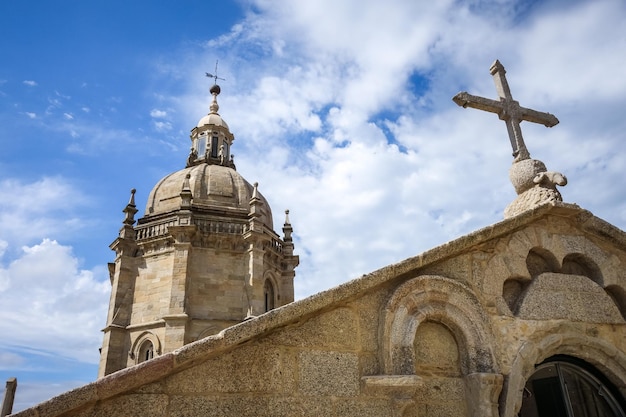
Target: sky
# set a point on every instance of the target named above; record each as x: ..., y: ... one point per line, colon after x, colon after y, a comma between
x: 341, y: 111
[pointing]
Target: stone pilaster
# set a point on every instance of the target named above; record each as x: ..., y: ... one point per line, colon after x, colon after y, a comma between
x: 176, y: 316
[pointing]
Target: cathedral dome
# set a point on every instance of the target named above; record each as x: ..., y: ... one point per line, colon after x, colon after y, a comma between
x: 216, y: 189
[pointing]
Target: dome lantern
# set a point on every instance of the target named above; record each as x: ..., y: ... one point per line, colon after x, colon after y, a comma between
x: 211, y: 139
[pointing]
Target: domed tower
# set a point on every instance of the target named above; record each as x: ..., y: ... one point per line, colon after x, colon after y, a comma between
x: 203, y: 257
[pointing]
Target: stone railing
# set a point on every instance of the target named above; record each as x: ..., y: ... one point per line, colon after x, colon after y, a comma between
x: 212, y: 226
x: 153, y: 230
x: 276, y: 245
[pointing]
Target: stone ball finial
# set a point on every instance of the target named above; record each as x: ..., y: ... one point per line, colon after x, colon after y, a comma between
x: 522, y: 173
x: 215, y: 89
x: 534, y: 184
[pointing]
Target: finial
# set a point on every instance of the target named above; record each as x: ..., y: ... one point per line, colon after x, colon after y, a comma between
x: 185, y: 195
x: 507, y: 110
x: 130, y: 210
x: 534, y: 184
x: 215, y: 90
x: 255, y: 192
x: 288, y: 231
x: 132, y: 197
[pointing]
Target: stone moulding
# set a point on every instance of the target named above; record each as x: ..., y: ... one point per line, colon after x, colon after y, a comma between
x: 442, y: 300
x: 454, y: 305
x: 606, y: 358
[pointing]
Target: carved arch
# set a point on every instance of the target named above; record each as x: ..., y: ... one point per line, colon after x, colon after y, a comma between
x: 441, y: 300
x: 209, y: 331
x: 143, y: 338
x: 530, y: 252
x: 270, y: 289
x: 605, y: 268
x: 604, y: 356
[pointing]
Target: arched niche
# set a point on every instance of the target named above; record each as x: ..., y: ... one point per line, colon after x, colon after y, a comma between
x: 432, y: 306
x: 439, y: 300
x: 271, y: 293
x: 606, y: 358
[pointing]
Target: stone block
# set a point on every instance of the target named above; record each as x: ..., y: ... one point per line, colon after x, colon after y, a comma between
x: 258, y: 368
x: 564, y: 296
x: 327, y: 373
x: 365, y: 407
x: 336, y: 329
x: 154, y: 405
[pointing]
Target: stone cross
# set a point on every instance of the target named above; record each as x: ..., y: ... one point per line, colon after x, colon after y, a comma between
x: 508, y: 110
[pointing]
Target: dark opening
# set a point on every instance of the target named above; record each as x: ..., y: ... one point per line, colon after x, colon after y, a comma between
x: 569, y: 387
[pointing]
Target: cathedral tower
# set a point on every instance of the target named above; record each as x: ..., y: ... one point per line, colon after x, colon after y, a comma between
x: 203, y: 257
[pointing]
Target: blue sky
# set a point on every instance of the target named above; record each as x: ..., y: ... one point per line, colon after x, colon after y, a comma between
x: 341, y: 111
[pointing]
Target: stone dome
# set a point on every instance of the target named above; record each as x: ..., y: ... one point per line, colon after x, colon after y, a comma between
x: 216, y: 189
x: 213, y: 119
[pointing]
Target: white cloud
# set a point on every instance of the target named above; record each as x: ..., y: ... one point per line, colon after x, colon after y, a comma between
x: 53, y: 305
x: 30, y: 210
x: 68, y: 116
x: 158, y: 113
x: 31, y: 115
x: 85, y: 109
x: 162, y: 126
x: 329, y: 122
x: 29, y: 83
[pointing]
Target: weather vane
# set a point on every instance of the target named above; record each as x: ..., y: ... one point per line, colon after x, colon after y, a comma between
x: 214, y: 76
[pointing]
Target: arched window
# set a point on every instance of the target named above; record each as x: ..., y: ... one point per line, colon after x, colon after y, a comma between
x: 146, y: 351
x: 562, y: 388
x: 268, y: 294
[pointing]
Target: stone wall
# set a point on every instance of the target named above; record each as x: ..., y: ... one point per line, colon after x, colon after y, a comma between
x: 453, y: 332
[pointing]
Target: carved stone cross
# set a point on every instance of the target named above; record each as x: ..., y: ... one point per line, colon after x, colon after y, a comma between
x: 508, y: 110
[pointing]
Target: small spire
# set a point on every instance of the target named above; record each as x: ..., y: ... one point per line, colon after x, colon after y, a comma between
x: 215, y: 90
x: 185, y: 195
x: 287, y: 232
x: 130, y: 210
x: 255, y: 192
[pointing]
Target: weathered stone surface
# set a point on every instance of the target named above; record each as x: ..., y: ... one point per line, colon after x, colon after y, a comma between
x: 259, y: 368
x: 441, y: 397
x: 374, y: 346
x: 362, y: 408
x: 336, y: 329
x: 146, y: 404
x: 323, y: 373
x: 563, y: 296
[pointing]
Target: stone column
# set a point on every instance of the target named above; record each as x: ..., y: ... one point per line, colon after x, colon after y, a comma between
x: 123, y: 274
x: 482, y: 391
x: 9, y: 396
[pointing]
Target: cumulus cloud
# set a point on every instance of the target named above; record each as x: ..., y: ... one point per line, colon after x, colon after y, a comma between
x: 357, y: 133
x: 49, y: 302
x: 54, y: 213
x: 158, y: 113
x: 29, y: 83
